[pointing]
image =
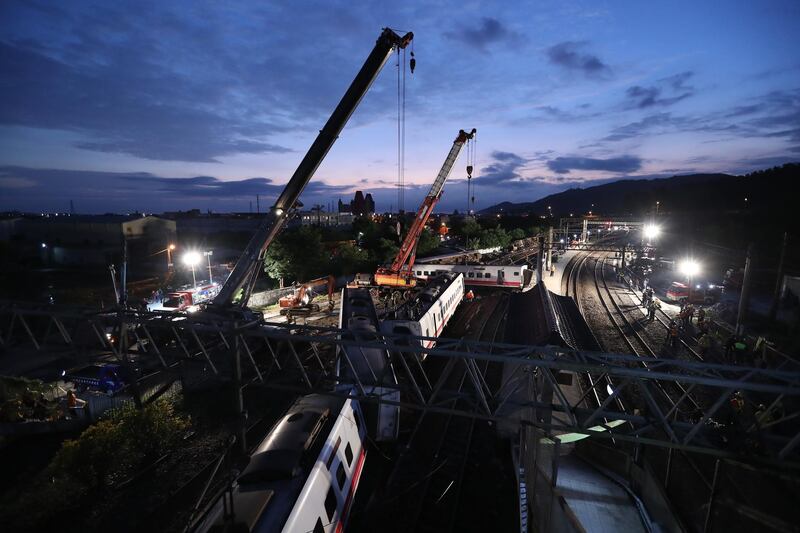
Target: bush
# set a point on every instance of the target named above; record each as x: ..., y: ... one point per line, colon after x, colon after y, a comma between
x: 113, y: 448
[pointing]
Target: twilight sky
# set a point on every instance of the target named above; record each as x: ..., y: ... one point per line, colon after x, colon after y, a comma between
x: 154, y: 106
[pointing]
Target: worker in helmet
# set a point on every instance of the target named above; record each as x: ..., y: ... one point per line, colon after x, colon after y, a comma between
x: 469, y: 296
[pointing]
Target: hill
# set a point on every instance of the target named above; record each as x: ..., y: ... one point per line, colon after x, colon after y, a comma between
x: 764, y: 190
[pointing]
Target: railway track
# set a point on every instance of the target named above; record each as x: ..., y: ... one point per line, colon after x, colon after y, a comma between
x: 629, y: 333
x: 426, y: 482
x: 686, y: 478
x: 573, y: 271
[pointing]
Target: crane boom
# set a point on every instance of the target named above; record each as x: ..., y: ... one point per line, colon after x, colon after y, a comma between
x: 239, y: 285
x: 399, y: 274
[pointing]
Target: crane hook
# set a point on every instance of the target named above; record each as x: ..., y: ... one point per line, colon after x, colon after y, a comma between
x: 469, y: 171
x: 413, y: 63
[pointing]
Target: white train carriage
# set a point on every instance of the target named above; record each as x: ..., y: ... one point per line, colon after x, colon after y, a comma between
x: 304, y: 474
x: 513, y: 276
x: 437, y: 304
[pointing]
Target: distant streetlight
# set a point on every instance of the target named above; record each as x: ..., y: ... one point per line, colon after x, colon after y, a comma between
x: 690, y: 268
x: 657, y: 204
x: 651, y: 231
x: 192, y: 259
x: 169, y: 249
x: 208, y: 254
x: 44, y: 245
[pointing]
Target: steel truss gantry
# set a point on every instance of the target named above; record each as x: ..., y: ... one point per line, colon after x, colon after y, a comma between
x: 302, y: 358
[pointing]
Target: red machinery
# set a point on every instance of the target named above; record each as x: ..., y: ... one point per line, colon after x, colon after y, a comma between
x: 300, y: 303
x: 400, y: 274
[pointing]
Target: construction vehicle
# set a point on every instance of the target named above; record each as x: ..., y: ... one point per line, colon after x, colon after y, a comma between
x: 301, y: 302
x: 235, y: 293
x: 186, y: 300
x: 400, y: 274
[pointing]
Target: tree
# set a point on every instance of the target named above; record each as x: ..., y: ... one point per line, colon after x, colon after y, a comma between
x: 428, y: 241
x: 384, y: 251
x: 298, y: 254
x: 517, y: 234
x: 350, y: 259
x: 470, y: 228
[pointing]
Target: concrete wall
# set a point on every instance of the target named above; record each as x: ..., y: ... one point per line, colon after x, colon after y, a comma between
x: 640, y: 480
x: 265, y: 298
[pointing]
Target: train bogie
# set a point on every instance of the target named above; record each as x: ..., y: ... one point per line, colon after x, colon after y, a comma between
x: 439, y: 302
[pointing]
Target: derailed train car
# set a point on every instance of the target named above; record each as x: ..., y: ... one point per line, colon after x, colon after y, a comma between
x: 436, y: 305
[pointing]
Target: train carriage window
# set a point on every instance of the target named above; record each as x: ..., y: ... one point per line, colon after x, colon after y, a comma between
x: 516, y: 273
x: 330, y: 503
x: 470, y: 274
x: 348, y: 454
x: 318, y: 527
x: 333, y: 451
x: 488, y: 275
x: 340, y: 476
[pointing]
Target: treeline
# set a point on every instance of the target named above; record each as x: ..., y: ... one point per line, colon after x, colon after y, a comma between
x: 308, y: 252
x: 490, y: 232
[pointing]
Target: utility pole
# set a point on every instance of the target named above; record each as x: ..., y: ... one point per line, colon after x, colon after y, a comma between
x: 773, y: 309
x: 743, y: 296
x: 550, y: 248
x: 258, y: 204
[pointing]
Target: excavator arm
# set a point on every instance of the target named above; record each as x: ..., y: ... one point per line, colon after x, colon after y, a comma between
x: 237, y: 289
x: 399, y: 273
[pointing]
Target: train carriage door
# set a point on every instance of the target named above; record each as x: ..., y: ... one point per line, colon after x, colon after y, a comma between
x: 501, y: 277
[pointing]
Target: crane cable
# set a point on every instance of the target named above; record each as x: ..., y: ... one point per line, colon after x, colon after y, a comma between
x: 471, y: 149
x: 401, y: 123
x: 403, y: 156
x: 474, y: 142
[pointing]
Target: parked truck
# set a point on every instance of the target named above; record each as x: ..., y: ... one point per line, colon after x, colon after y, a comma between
x: 186, y: 300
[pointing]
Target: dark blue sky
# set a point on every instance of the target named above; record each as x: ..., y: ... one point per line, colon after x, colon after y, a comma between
x: 156, y: 106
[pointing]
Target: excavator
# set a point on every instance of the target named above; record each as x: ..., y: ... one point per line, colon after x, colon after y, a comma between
x: 301, y: 302
x: 231, y: 302
x: 400, y: 274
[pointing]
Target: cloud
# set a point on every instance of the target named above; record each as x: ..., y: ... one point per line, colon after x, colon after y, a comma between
x: 504, y: 170
x: 120, y: 115
x: 167, y: 83
x: 569, y: 55
x: 622, y: 164
x: 47, y: 189
x: 557, y: 114
x: 666, y: 92
x: 772, y: 115
x: 635, y: 129
x: 489, y: 31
